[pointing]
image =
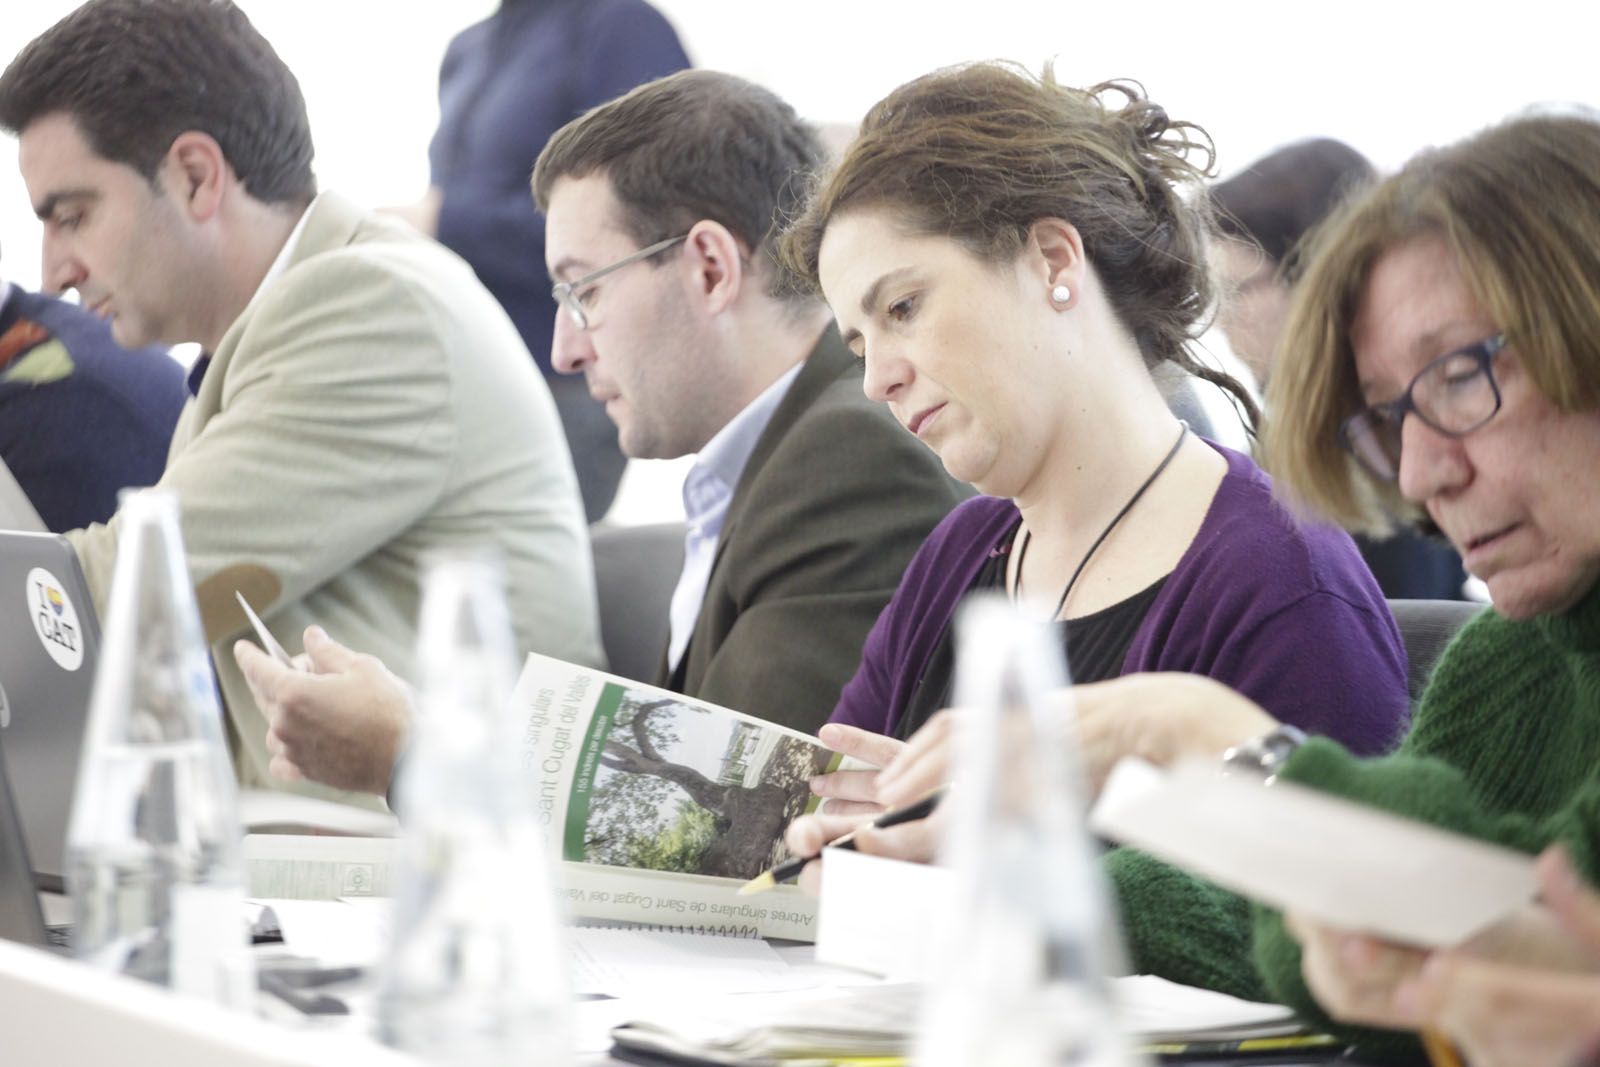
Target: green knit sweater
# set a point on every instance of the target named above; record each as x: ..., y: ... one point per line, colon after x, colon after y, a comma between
x: 1505, y: 745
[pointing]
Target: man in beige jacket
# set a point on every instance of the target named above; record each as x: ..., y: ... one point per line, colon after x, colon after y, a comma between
x: 362, y: 400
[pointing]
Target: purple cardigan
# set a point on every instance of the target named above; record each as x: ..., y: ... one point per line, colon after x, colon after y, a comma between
x: 1282, y: 611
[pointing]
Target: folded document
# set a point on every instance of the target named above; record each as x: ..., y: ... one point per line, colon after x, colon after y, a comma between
x: 1331, y: 859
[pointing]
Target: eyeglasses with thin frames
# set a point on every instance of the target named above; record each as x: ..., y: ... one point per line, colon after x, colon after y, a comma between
x: 570, y: 295
x: 1454, y: 394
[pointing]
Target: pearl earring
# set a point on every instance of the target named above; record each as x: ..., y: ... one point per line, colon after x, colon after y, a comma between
x: 1061, y: 294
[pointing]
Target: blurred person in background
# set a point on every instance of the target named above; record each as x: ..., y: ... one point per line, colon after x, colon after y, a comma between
x: 506, y: 84
x: 1263, y: 214
x: 81, y: 417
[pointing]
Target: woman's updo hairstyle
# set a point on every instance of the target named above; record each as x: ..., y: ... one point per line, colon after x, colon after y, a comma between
x: 978, y: 153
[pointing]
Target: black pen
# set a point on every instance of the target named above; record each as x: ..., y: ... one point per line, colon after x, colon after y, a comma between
x: 792, y: 867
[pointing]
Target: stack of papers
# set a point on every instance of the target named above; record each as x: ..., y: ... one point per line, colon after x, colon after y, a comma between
x: 879, y: 1021
x: 1160, y: 1012
x: 755, y: 1030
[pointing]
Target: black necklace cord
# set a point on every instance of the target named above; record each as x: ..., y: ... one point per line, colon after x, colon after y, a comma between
x: 1022, y: 550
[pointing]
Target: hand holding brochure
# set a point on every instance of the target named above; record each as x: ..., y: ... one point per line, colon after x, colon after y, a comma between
x: 1294, y: 848
x: 662, y: 806
x: 659, y: 807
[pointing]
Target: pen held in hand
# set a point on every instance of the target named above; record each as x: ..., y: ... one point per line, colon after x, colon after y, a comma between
x: 791, y: 868
x: 1441, y: 1053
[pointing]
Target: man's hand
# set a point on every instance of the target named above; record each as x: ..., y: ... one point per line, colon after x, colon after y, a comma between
x: 340, y: 721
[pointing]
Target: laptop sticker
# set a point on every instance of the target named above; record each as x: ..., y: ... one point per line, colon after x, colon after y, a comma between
x: 55, y: 619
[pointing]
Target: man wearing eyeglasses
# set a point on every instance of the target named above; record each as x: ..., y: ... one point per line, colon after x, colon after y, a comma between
x: 806, y: 500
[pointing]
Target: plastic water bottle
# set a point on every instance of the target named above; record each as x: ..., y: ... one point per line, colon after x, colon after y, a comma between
x: 1022, y: 978
x: 154, y: 851
x: 477, y: 968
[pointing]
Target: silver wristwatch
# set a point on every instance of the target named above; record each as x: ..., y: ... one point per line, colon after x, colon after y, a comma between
x: 1261, y: 758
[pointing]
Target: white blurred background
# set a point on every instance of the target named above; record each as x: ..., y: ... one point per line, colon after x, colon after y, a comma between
x: 1387, y: 77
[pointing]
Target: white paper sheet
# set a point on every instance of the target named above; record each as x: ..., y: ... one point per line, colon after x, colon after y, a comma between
x: 1300, y: 850
x: 876, y: 914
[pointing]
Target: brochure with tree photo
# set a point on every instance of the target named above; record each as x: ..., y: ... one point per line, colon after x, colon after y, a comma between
x: 661, y: 806
x: 657, y: 806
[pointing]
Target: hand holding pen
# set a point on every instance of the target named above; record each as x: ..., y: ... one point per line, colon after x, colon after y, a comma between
x: 910, y: 770
x: 791, y: 868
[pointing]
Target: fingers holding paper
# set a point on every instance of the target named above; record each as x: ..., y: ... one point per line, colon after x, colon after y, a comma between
x: 854, y: 791
x: 341, y: 721
x: 1523, y: 996
x: 1575, y: 905
x: 924, y: 763
x: 1524, y: 973
x: 1355, y: 977
x: 1504, y: 1015
x: 851, y: 797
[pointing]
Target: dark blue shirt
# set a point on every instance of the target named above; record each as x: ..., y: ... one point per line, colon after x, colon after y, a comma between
x: 507, y: 84
x: 80, y: 417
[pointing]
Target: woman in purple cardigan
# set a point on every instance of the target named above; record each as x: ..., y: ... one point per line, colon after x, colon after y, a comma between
x: 1011, y: 258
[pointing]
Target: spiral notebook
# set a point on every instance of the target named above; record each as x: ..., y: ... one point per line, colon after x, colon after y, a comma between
x: 611, y: 960
x: 622, y: 961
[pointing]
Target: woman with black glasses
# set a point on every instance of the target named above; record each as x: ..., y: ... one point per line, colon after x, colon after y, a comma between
x: 1442, y: 359
x: 1448, y: 337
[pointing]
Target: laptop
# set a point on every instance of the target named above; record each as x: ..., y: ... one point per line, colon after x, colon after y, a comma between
x: 16, y: 510
x: 49, y: 647
x: 21, y: 919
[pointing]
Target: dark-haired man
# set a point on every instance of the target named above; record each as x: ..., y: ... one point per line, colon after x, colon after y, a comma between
x: 806, y: 501
x: 362, y: 400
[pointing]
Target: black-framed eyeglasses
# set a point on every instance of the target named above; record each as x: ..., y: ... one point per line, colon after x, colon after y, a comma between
x: 571, y: 295
x: 1454, y: 394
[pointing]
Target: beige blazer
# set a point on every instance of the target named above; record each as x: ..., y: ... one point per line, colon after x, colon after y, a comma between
x: 372, y: 404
